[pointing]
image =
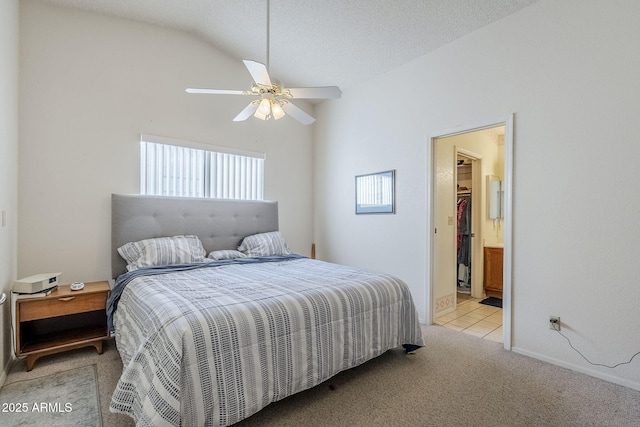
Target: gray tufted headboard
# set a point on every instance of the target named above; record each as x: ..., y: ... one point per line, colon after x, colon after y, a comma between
x: 219, y: 223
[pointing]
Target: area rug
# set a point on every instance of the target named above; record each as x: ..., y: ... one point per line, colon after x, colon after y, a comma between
x: 68, y: 398
x: 492, y: 301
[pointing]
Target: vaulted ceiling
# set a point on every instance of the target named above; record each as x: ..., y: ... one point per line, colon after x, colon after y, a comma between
x: 317, y: 42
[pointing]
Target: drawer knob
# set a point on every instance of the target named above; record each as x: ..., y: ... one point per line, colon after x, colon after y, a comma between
x: 65, y: 299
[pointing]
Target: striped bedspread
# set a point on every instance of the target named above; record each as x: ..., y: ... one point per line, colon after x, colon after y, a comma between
x: 213, y: 346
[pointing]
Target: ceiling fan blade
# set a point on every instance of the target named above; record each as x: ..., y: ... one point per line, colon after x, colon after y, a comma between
x: 247, y: 112
x: 258, y: 72
x: 325, y: 92
x: 214, y: 91
x: 297, y: 113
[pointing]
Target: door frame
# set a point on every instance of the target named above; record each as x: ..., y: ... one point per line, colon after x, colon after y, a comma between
x: 507, y: 122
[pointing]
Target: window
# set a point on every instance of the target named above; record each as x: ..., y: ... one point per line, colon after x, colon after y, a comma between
x: 179, y: 168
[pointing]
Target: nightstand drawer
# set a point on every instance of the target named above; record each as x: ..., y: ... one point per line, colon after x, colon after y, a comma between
x: 61, y: 306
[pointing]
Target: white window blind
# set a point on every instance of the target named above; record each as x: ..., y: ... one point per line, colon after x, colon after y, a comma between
x: 173, y: 170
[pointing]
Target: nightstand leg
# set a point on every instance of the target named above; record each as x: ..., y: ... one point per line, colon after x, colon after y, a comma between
x: 31, y: 360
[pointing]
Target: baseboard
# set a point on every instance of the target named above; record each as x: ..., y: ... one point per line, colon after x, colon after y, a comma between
x: 5, y: 371
x: 591, y: 372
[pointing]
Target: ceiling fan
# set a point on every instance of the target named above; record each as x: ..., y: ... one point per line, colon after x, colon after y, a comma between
x: 272, y: 99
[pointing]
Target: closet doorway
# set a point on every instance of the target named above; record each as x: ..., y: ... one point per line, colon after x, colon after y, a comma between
x: 467, y: 222
x: 475, y: 152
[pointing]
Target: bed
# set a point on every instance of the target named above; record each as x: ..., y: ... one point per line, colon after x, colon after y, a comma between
x: 213, y: 341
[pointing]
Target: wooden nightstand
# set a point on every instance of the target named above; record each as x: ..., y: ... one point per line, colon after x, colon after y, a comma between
x: 61, y: 321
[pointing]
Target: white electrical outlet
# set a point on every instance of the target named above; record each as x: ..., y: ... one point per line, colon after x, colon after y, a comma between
x: 554, y: 323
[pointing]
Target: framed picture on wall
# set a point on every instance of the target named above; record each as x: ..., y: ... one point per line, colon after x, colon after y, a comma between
x: 375, y: 193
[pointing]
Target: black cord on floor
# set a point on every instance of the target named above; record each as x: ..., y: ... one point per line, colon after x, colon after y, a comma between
x: 592, y: 363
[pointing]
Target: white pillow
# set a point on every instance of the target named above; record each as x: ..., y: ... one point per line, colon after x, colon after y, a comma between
x: 162, y: 251
x: 226, y: 254
x: 264, y: 244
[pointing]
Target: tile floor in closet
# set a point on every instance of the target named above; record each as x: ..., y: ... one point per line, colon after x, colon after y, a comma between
x: 474, y: 318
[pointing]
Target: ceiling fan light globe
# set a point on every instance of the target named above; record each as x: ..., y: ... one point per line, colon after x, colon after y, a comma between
x: 277, y: 111
x: 265, y: 107
x: 259, y: 115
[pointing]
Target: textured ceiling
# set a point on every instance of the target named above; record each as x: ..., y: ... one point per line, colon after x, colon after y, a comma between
x: 317, y: 42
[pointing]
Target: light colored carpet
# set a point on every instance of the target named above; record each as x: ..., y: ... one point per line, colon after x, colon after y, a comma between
x: 457, y: 379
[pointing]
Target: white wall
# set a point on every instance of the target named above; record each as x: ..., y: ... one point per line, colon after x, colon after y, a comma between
x: 8, y: 168
x: 89, y: 86
x: 569, y: 71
